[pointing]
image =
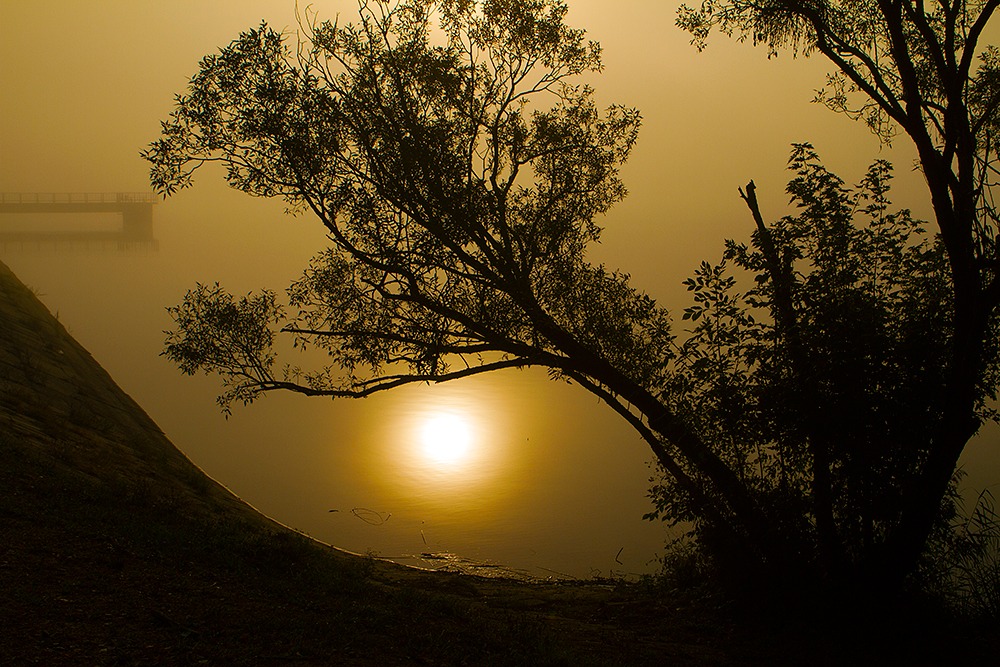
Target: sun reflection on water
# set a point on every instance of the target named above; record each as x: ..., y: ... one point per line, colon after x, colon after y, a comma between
x: 480, y: 468
x: 441, y: 451
x: 446, y: 439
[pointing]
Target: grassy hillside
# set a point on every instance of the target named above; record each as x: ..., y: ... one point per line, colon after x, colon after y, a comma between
x: 115, y: 549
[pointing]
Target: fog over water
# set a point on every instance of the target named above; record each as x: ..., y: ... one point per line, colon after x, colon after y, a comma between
x: 549, y: 480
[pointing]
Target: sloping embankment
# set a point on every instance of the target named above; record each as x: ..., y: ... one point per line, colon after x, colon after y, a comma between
x: 57, y: 400
x: 114, y: 547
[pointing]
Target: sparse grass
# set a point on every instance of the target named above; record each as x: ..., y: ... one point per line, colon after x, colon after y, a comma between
x: 962, y: 565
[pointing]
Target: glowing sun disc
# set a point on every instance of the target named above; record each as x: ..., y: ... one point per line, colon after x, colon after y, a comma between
x: 446, y: 439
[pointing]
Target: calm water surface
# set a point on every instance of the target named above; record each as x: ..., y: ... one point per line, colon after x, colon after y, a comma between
x: 530, y: 474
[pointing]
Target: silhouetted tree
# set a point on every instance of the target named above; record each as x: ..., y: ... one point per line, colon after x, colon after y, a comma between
x: 822, y: 383
x: 919, y: 68
x: 460, y: 176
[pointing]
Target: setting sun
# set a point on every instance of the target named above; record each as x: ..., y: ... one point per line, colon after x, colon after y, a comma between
x: 446, y: 438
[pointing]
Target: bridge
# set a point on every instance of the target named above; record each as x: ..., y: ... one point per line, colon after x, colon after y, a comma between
x: 136, y: 209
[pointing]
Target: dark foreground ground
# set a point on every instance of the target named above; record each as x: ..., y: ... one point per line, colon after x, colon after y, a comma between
x: 116, y: 550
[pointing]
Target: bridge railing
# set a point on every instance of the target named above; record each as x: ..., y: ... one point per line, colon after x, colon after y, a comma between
x: 77, y: 198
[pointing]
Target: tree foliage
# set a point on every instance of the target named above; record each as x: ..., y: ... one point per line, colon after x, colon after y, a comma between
x: 820, y: 383
x: 920, y: 69
x: 461, y: 175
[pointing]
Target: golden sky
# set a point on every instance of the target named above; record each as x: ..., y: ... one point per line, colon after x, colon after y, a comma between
x: 86, y: 82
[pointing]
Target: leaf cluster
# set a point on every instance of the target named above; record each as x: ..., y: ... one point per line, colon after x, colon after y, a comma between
x: 216, y: 333
x: 909, y: 66
x: 459, y: 173
x: 833, y: 383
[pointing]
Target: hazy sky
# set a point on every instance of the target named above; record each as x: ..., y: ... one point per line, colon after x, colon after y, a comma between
x: 86, y: 82
x: 84, y: 85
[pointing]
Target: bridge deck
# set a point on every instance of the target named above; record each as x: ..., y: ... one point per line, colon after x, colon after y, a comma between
x: 135, y: 208
x: 77, y: 198
x: 74, y: 202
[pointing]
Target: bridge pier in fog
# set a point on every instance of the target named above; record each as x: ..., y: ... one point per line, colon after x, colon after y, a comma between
x: 137, y: 222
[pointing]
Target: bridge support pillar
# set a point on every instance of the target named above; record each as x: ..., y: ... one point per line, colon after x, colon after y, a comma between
x: 137, y: 222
